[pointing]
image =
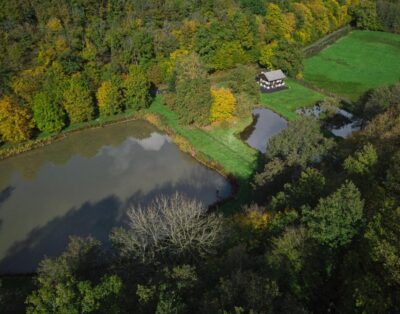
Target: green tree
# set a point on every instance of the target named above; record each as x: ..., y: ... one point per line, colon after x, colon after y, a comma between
x: 288, y: 56
x: 274, y: 22
x: 193, y: 96
x: 171, y: 293
x: 363, y: 161
x: 72, y: 282
x: 365, y: 15
x: 301, y: 143
x: 392, y: 180
x: 47, y: 113
x: 377, y: 101
x: 305, y: 191
x: 78, y: 100
x: 243, y: 31
x: 137, y: 89
x: 229, y: 55
x: 337, y: 218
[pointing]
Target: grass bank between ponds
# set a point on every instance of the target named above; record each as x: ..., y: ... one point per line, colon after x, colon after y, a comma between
x: 218, y: 147
x: 287, y: 101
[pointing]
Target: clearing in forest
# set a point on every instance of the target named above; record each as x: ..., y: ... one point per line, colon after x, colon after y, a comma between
x: 356, y: 63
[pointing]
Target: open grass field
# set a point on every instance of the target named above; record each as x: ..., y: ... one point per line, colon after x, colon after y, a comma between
x: 356, y: 63
x: 287, y: 101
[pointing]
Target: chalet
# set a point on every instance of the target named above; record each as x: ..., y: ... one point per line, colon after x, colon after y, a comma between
x: 271, y: 81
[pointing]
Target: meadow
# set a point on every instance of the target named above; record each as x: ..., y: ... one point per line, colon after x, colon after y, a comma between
x: 356, y: 63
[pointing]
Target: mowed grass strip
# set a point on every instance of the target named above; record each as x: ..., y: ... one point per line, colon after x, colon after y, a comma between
x: 356, y: 63
x: 286, y: 102
x: 220, y: 143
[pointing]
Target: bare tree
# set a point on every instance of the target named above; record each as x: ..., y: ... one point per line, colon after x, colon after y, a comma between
x: 173, y: 226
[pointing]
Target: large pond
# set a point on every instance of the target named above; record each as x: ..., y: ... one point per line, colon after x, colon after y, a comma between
x: 266, y: 124
x: 84, y: 184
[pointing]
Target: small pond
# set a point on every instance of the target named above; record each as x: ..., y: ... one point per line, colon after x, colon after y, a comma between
x: 343, y: 124
x: 83, y: 185
x: 266, y: 124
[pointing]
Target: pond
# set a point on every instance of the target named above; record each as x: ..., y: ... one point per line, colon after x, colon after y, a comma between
x: 342, y: 124
x: 266, y: 124
x: 83, y: 185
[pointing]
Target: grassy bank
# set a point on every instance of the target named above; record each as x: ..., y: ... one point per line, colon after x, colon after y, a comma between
x: 287, y: 101
x: 356, y: 63
x: 217, y: 146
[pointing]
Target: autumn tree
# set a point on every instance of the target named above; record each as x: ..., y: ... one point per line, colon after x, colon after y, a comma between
x: 137, y: 88
x: 109, y: 98
x: 27, y: 83
x: 16, y: 122
x: 223, y: 105
x: 78, y: 100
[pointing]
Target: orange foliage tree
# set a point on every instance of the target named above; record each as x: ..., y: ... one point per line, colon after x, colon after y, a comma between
x: 15, y: 121
x: 223, y: 105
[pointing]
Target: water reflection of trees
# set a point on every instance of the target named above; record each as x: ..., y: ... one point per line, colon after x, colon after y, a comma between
x: 97, y: 219
x: 85, y: 144
x: 5, y: 194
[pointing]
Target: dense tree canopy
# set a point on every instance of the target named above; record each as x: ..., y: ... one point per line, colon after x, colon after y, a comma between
x: 319, y: 229
x: 45, y: 46
x: 323, y: 238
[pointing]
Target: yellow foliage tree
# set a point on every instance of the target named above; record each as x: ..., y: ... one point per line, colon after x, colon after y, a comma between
x: 27, y: 83
x: 251, y: 226
x: 15, y: 121
x: 54, y: 24
x: 109, y: 99
x: 223, y: 105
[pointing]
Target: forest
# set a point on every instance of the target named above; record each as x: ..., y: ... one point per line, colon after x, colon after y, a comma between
x: 319, y: 228
x: 64, y: 63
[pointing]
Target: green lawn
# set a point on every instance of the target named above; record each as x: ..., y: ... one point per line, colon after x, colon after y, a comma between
x: 219, y: 143
x: 287, y: 101
x: 356, y: 63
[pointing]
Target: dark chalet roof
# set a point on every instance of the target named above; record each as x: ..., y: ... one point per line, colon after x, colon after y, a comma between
x: 274, y: 75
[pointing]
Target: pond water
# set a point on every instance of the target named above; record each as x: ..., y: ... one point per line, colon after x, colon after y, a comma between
x: 84, y: 184
x: 266, y: 124
x: 343, y: 124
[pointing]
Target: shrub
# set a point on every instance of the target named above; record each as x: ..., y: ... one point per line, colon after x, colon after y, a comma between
x: 223, y: 105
